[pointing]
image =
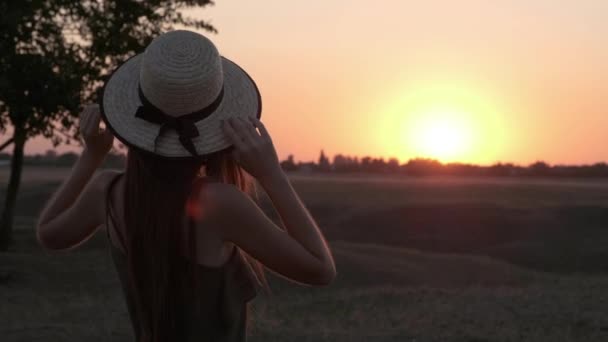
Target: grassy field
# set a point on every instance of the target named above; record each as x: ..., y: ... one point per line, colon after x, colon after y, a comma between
x: 436, y: 259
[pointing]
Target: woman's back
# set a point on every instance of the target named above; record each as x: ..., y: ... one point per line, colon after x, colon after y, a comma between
x: 214, y: 305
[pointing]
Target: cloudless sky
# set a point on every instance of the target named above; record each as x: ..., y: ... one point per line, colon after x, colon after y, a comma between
x: 472, y: 80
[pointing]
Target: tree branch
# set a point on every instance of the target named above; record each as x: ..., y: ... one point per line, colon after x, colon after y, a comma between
x: 6, y: 143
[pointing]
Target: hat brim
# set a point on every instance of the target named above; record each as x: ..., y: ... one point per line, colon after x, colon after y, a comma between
x: 120, y: 100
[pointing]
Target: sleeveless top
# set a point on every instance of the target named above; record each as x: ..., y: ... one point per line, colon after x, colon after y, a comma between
x: 219, y: 313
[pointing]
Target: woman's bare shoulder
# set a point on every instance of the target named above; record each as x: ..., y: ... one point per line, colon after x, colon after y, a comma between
x: 226, y: 204
x: 221, y: 196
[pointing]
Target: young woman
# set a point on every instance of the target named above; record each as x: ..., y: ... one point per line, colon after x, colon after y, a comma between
x: 186, y: 238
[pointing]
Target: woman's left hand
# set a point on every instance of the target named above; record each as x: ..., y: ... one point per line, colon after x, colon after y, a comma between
x: 97, y: 142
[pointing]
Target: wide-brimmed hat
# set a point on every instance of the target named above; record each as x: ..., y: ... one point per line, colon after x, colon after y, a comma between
x: 170, y: 99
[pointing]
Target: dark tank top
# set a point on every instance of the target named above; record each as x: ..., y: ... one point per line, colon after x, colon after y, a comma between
x: 217, y: 312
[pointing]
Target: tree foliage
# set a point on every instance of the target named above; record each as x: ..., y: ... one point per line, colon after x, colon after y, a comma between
x: 56, y: 53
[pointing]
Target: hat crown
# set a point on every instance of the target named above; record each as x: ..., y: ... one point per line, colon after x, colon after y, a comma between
x: 181, y: 72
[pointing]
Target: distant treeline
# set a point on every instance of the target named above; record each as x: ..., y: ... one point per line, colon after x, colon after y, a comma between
x: 67, y: 159
x: 347, y: 164
x: 430, y: 167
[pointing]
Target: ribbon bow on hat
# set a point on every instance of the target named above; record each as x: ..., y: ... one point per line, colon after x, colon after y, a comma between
x: 184, y: 125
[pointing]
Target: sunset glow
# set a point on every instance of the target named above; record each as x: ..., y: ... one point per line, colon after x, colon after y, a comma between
x: 447, y: 121
x: 469, y: 81
x: 442, y: 136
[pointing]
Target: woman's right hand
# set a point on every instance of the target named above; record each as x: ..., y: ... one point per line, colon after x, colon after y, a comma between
x: 97, y: 142
x: 254, y: 150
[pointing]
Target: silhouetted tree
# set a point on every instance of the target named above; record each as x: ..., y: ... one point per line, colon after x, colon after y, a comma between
x: 423, y: 167
x: 306, y: 166
x: 378, y: 165
x: 500, y: 169
x: 393, y: 165
x: 343, y: 163
x: 365, y: 165
x: 289, y: 164
x: 55, y: 55
x: 539, y: 168
x: 323, y: 164
x: 459, y: 169
x: 339, y: 163
x: 598, y: 170
x: 356, y: 164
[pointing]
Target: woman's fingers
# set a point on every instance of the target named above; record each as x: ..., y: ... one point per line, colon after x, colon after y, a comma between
x: 89, y: 121
x: 95, y: 119
x: 244, y: 130
x: 232, y: 135
x: 260, y: 126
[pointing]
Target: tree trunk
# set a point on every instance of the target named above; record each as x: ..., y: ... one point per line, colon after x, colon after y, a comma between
x: 10, y: 199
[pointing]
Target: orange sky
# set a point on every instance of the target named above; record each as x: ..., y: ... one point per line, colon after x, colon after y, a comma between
x: 472, y: 80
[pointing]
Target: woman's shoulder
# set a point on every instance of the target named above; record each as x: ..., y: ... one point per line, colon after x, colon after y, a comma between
x: 221, y: 195
x: 221, y: 202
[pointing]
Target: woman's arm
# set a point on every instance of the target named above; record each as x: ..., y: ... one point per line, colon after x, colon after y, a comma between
x: 302, y: 254
x: 72, y: 187
x: 72, y: 215
x: 296, y: 218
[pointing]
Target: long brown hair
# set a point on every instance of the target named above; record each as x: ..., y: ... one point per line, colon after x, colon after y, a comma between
x: 156, y: 195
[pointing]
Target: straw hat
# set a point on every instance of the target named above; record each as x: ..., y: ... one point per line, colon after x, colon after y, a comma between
x: 170, y: 99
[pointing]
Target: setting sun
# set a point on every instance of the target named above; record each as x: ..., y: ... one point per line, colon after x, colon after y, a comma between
x: 441, y: 135
x: 443, y: 120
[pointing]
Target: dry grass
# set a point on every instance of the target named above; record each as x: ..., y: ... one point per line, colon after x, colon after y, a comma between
x: 381, y: 294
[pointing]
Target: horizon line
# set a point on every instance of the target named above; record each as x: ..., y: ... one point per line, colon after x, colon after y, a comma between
x: 372, y: 158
